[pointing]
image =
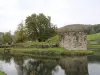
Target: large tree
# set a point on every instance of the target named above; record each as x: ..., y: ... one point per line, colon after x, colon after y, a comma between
x: 20, y: 34
x: 39, y: 27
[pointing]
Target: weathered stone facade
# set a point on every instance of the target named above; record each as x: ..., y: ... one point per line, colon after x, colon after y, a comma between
x: 73, y: 40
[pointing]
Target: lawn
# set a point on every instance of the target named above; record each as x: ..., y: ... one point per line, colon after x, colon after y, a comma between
x: 94, y: 36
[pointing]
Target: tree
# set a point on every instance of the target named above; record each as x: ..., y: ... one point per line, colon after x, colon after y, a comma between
x: 20, y: 34
x: 39, y: 27
x: 1, y: 38
x: 7, y: 37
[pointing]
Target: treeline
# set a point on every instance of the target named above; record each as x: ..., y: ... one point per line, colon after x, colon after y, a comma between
x: 92, y: 29
x: 6, y: 38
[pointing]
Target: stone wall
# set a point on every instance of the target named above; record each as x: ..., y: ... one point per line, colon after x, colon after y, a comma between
x: 74, y: 41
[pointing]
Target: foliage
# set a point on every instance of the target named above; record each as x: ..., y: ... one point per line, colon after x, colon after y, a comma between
x: 39, y: 27
x: 54, y: 39
x: 20, y: 34
x: 35, y: 45
x: 1, y: 39
x: 92, y: 29
x: 7, y: 38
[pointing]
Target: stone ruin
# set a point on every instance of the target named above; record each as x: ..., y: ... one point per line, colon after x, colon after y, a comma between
x: 74, y: 37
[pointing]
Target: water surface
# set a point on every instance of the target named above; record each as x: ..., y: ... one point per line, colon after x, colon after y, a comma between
x: 82, y: 65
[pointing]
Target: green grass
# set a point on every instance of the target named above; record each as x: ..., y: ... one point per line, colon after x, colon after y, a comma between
x: 95, y: 48
x: 39, y: 49
x: 35, y: 44
x: 2, y: 73
x: 55, y: 54
x: 54, y: 39
x: 48, y: 51
x: 93, y: 45
x: 94, y: 36
x: 60, y: 49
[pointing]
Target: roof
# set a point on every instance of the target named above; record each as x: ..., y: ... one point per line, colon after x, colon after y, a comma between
x: 73, y: 28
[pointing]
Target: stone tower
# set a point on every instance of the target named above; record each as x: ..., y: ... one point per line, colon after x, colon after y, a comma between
x: 74, y: 37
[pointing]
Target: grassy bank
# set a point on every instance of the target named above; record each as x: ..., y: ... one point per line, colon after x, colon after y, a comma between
x: 94, y: 42
x: 2, y: 73
x: 93, y: 45
x: 58, y: 49
x: 96, y: 52
x: 47, y: 52
x: 95, y: 48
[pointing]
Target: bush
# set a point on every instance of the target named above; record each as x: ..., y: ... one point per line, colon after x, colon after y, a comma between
x: 34, y: 45
x: 54, y: 40
x: 4, y: 46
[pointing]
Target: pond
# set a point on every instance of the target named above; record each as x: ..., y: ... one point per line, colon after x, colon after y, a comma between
x: 82, y: 65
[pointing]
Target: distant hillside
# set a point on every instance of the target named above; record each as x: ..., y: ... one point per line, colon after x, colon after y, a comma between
x: 74, y: 27
x: 90, y: 29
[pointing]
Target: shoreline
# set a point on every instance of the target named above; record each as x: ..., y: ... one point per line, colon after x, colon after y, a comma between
x: 47, y: 52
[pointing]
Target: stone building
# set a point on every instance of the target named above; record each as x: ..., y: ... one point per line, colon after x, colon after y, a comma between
x: 74, y: 37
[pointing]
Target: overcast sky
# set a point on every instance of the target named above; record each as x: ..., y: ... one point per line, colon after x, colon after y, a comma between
x: 62, y: 12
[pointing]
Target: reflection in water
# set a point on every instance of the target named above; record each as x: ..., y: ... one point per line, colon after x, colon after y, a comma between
x: 9, y: 68
x: 40, y: 67
x: 94, y: 58
x: 71, y: 66
x: 94, y: 65
x: 19, y: 61
x: 63, y: 66
x: 75, y: 65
